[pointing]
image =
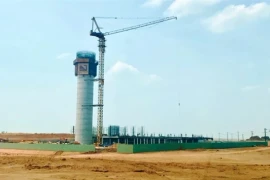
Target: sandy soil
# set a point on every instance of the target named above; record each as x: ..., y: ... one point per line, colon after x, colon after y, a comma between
x: 248, y: 163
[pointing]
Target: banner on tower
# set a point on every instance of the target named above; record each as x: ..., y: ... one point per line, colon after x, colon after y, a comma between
x: 83, y: 68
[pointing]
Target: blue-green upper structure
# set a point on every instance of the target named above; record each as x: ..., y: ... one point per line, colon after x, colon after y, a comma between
x: 85, y: 63
x: 86, y: 54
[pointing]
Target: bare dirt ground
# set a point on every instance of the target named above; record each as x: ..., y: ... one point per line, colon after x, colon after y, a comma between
x: 247, y: 163
x: 16, y: 137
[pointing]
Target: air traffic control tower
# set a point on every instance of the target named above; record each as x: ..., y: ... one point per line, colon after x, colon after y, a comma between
x: 85, y: 70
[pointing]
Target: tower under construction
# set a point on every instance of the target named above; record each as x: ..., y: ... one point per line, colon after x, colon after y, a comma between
x: 85, y: 70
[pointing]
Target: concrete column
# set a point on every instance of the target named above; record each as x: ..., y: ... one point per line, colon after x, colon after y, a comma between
x: 158, y: 141
x: 140, y: 141
x: 137, y: 141
x: 118, y: 140
x: 164, y: 141
x: 144, y: 141
x: 134, y: 141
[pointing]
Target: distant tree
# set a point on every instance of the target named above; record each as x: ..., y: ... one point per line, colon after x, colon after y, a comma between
x: 267, y: 138
x: 255, y: 138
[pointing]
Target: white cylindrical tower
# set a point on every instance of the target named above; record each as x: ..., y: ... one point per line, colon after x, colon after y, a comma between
x: 85, y: 70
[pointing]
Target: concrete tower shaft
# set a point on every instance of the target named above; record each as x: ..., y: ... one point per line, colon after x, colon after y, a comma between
x: 85, y: 70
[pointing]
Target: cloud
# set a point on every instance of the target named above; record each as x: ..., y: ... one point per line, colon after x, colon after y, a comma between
x: 234, y: 15
x: 249, y: 88
x: 121, y: 67
x: 63, y: 56
x: 183, y: 8
x: 153, y: 3
x: 154, y: 77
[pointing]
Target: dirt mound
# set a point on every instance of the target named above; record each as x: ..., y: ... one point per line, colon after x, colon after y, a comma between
x: 90, y: 152
x: 100, y: 170
x: 30, y: 167
x: 46, y: 167
x: 109, y: 150
x: 58, y: 153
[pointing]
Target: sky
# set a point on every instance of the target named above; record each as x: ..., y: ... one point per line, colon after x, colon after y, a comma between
x: 213, y: 60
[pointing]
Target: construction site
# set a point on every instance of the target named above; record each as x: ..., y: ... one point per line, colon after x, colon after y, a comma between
x: 117, y: 153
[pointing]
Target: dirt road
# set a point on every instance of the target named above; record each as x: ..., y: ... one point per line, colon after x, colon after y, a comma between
x: 249, y: 163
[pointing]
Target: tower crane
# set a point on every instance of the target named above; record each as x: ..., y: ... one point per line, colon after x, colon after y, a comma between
x: 101, y: 45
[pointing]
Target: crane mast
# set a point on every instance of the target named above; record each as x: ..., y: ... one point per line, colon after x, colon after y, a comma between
x: 101, y: 46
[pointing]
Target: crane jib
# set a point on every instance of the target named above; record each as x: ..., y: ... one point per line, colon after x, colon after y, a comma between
x: 139, y: 26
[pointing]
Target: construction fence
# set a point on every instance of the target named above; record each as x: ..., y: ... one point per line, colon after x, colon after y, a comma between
x: 139, y: 148
x: 49, y: 147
